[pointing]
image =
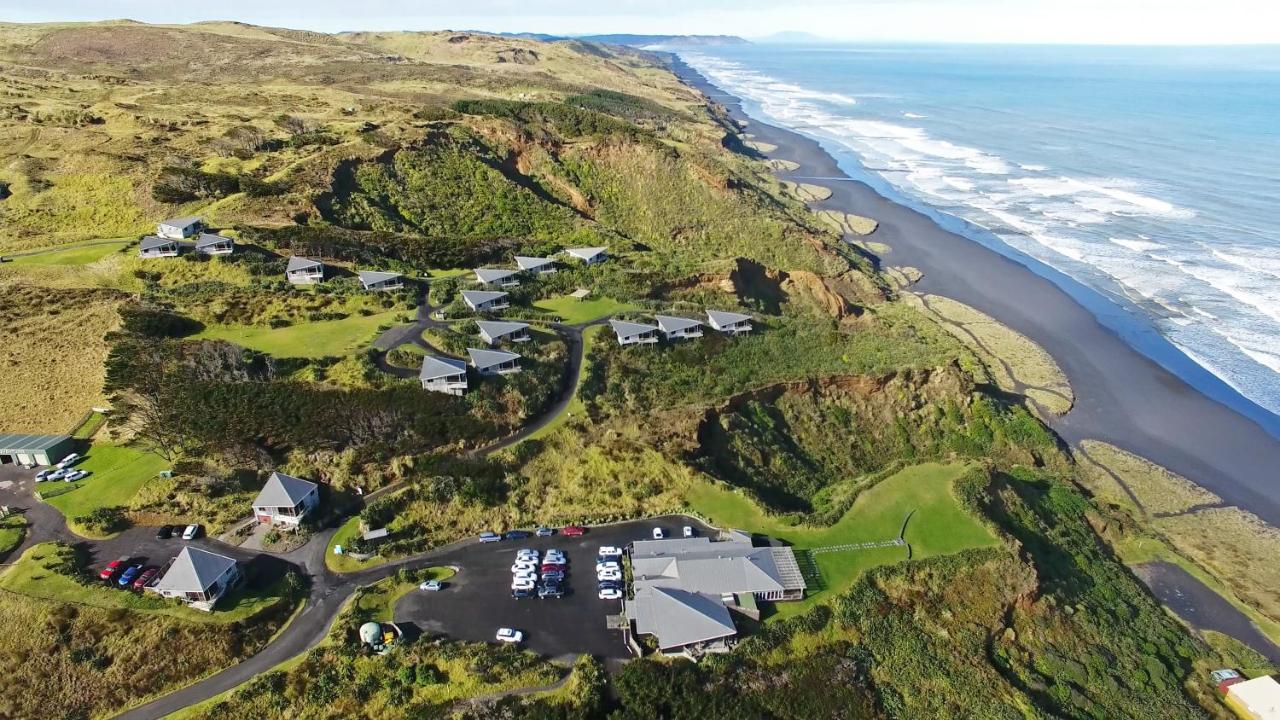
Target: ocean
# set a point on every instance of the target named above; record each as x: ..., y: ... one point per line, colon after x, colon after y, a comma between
x: 1151, y: 175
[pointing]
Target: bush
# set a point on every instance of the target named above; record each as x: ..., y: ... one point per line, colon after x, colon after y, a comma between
x: 104, y: 520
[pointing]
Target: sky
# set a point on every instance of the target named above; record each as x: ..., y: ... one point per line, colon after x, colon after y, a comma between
x: 982, y: 21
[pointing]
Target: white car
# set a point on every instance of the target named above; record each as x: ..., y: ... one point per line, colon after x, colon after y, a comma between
x: 610, y: 550
x: 610, y: 594
x: 687, y: 531
x: 431, y: 585
x: 75, y: 475
x: 524, y: 584
x: 44, y: 474
x: 658, y: 534
x: 605, y: 575
x: 510, y: 635
x: 524, y: 566
x: 554, y: 558
x: 529, y: 575
x: 191, y: 532
x: 57, y: 474
x: 527, y: 553
x: 68, y: 461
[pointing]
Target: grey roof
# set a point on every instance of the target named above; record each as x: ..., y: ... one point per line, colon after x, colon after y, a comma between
x: 532, y: 263
x: 627, y: 329
x: 679, y: 617
x: 720, y: 317
x: 670, y: 324
x: 182, y: 221
x: 496, y: 329
x: 371, y: 277
x: 283, y: 491
x: 435, y: 367
x: 300, y: 263
x: 479, y: 297
x: 151, y: 241
x: 12, y: 443
x: 494, y: 274
x: 375, y: 534
x: 194, y: 570
x: 699, y: 565
x: 585, y: 253
x: 488, y: 358
x: 207, y: 239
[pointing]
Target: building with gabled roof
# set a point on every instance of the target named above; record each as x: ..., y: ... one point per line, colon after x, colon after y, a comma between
x: 729, y: 323
x: 304, y: 271
x: 680, y: 619
x: 588, y: 255
x: 179, y: 228
x: 494, y: 362
x: 214, y: 244
x: 31, y: 449
x: 443, y: 375
x: 630, y: 333
x: 157, y: 247
x: 491, y: 331
x: 485, y: 300
x: 1258, y: 698
x: 497, y: 276
x: 537, y: 265
x: 285, y: 499
x: 678, y: 328
x: 378, y: 280
x: 198, y: 578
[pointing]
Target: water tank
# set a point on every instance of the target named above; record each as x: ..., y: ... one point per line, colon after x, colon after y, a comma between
x: 371, y: 634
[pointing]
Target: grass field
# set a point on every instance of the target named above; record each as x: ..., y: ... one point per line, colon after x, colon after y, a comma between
x: 116, y: 473
x: 326, y: 338
x: 381, y: 597
x: 12, y: 529
x: 574, y: 311
x: 73, y: 255
x: 349, y: 531
x: 938, y: 525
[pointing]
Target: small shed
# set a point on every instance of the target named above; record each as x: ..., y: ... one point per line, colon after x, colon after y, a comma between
x: 25, y: 449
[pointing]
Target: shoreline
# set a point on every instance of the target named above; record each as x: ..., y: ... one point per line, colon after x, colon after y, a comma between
x: 1122, y: 395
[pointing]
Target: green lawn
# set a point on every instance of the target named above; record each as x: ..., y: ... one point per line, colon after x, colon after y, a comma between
x: 381, y: 597
x: 938, y: 526
x: 12, y: 529
x: 326, y: 338
x: 443, y: 273
x: 116, y: 473
x: 82, y: 254
x: 89, y: 426
x: 573, y: 311
x: 349, y: 531
x: 28, y: 576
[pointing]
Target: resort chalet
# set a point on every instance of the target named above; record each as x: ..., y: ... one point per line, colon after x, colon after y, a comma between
x: 492, y: 331
x: 304, y: 271
x: 443, y: 375
x: 157, y: 247
x: 730, y: 323
x: 211, y: 244
x: 285, y: 500
x: 685, y: 588
x: 375, y: 280
x: 588, y: 255
x: 198, y: 578
x: 536, y: 265
x: 677, y: 328
x: 493, y: 276
x: 630, y: 333
x: 179, y: 228
x: 485, y: 300
x: 494, y: 362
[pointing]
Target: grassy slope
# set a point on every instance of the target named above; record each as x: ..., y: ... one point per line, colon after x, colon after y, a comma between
x: 573, y: 311
x: 12, y: 529
x: 73, y: 255
x: 324, y: 338
x: 116, y: 473
x: 938, y: 525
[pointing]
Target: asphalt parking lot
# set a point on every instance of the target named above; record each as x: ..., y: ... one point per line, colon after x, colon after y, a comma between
x: 477, y: 601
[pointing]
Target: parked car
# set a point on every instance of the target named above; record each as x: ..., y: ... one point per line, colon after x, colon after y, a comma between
x: 529, y: 575
x: 601, y: 567
x: 191, y: 533
x: 510, y: 635
x: 522, y: 593
x: 555, y: 591
x: 610, y: 550
x: 610, y: 584
x: 522, y: 566
x: 129, y: 575
x: 145, y: 578
x: 522, y: 584
x: 658, y: 534
x: 56, y: 475
x: 524, y: 553
x: 687, y: 531
x: 517, y: 534
x: 545, y: 532
x: 554, y: 557
x: 556, y: 575
x: 552, y: 567
x: 489, y: 537
x: 68, y: 461
x: 75, y: 475
x: 573, y: 530
x: 165, y: 532
x: 431, y: 585
x: 113, y: 567
x: 610, y: 594
x: 609, y: 575
x: 43, y: 474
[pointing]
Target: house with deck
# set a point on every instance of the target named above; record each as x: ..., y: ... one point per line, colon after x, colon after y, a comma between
x: 729, y: 323
x: 485, y: 300
x: 588, y: 255
x: 443, y: 375
x: 535, y: 265
x: 374, y: 280
x: 214, y: 244
x: 630, y: 333
x: 285, y: 500
x: 678, y: 328
x: 179, y: 228
x: 497, y: 277
x: 157, y: 247
x: 199, y: 578
x: 492, y: 331
x: 494, y: 362
x: 304, y: 271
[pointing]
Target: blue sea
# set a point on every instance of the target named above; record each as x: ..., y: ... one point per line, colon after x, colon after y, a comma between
x: 1151, y: 175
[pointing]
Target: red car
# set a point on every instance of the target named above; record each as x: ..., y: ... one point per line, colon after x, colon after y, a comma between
x: 113, y: 568
x: 574, y: 531
x: 552, y: 567
x: 145, y: 578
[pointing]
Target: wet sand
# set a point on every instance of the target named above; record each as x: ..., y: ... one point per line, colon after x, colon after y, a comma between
x: 1123, y: 396
x: 1201, y: 607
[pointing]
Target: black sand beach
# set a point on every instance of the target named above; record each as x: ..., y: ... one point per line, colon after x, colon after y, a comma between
x: 1123, y: 397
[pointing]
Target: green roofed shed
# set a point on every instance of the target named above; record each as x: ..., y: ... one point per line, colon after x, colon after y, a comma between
x: 24, y: 448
